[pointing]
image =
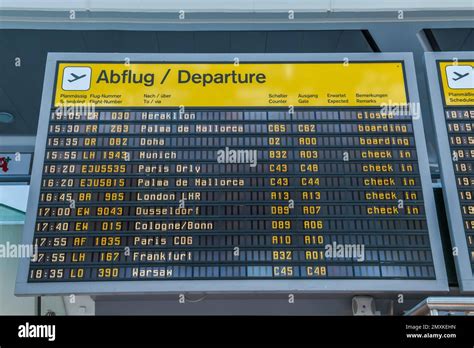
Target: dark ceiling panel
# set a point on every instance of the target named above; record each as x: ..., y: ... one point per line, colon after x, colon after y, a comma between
x: 139, y: 41
x: 212, y: 42
x: 454, y: 39
x: 315, y: 42
x: 23, y: 61
x: 352, y: 41
x: 176, y: 42
x: 284, y: 42
x: 103, y: 41
x: 66, y: 41
x: 120, y: 41
x: 468, y: 44
x: 247, y: 41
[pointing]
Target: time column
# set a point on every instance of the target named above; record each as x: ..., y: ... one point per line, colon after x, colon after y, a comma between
x: 82, y: 196
x: 72, y: 139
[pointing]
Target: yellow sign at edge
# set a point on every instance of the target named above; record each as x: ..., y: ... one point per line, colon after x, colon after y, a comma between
x: 453, y: 91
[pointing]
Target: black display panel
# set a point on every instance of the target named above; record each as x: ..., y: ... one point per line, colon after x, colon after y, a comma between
x: 182, y: 214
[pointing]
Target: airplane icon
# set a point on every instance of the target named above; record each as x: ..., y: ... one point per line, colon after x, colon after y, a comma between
x: 459, y: 76
x: 76, y: 77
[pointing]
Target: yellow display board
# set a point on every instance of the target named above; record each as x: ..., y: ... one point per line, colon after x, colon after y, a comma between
x: 457, y: 79
x: 335, y: 84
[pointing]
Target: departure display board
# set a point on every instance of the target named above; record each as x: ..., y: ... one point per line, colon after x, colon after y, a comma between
x: 219, y: 173
x: 451, y: 77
